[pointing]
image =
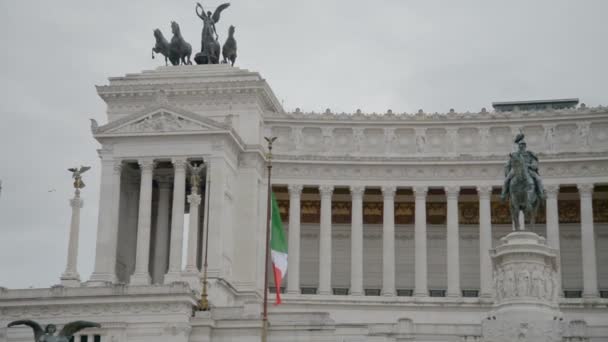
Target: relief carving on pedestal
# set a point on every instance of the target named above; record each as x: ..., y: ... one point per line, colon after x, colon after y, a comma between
x: 513, y: 281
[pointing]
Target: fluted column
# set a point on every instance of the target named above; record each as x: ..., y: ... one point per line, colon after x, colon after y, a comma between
x: 590, y: 286
x: 107, y: 226
x: 552, y: 191
x: 177, y: 221
x: 388, y: 241
x: 420, y: 266
x: 356, y: 241
x: 71, y: 278
x: 325, y: 240
x: 453, y: 242
x: 293, y: 268
x: 161, y: 238
x: 485, y: 241
x: 141, y: 276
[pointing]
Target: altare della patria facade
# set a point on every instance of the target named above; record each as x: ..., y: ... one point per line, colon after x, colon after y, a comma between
x: 399, y: 226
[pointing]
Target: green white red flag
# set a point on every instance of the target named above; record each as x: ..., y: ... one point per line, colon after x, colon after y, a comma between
x: 278, y: 248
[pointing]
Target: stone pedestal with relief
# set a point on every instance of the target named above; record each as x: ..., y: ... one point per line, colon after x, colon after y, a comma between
x: 526, y: 290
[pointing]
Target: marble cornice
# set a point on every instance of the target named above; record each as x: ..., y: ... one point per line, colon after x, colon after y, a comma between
x: 443, y: 160
x: 581, y: 113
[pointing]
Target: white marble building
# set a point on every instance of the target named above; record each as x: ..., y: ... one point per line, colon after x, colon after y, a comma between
x: 390, y: 217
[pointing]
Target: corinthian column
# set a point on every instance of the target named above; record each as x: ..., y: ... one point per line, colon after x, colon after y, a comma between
x: 194, y: 200
x: 388, y: 241
x: 177, y: 221
x: 161, y: 240
x: 71, y: 278
x: 420, y: 267
x: 107, y: 226
x: 325, y: 240
x: 356, y: 241
x: 293, y: 273
x: 453, y: 242
x: 141, y: 276
x: 485, y: 241
x: 590, y: 289
x: 552, y: 191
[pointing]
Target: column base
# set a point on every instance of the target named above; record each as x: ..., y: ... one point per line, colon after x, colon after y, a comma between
x: 294, y: 291
x: 388, y: 292
x: 193, y: 279
x: 356, y: 293
x: 172, y: 277
x: 325, y: 292
x: 101, y: 279
x: 139, y: 279
x: 454, y: 294
x: 70, y: 280
x: 421, y: 293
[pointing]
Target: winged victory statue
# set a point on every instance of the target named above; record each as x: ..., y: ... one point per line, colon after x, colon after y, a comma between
x: 48, y: 333
x: 210, y: 47
x: 77, y: 175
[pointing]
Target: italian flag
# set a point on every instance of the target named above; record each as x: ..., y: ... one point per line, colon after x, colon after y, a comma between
x: 278, y: 247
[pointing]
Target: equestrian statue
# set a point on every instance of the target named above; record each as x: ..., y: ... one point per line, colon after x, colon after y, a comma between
x: 523, y: 184
x: 48, y: 333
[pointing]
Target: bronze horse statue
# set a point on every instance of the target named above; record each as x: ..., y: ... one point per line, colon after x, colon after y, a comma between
x: 229, y: 48
x: 162, y: 45
x: 522, y: 194
x: 178, y: 51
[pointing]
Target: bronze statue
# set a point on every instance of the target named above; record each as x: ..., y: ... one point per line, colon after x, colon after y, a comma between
x: 229, y: 48
x: 179, y: 49
x: 523, y: 183
x: 210, y: 47
x: 162, y: 45
x: 195, y: 176
x: 48, y: 334
x: 77, y: 175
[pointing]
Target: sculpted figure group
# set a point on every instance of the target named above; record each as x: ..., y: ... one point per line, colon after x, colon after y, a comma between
x: 178, y: 51
x: 48, y: 333
x: 533, y: 281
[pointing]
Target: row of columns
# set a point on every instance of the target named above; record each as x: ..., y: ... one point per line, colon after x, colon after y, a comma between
x: 105, y: 259
x: 420, y: 235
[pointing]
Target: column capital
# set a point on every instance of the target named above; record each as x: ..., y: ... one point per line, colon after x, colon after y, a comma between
x: 551, y: 190
x: 194, y: 199
x: 389, y: 191
x: 357, y: 190
x: 484, y: 191
x: 452, y: 191
x: 118, y: 165
x: 146, y: 165
x: 585, y: 189
x: 420, y: 191
x: 179, y: 163
x: 295, y: 189
x: 326, y: 189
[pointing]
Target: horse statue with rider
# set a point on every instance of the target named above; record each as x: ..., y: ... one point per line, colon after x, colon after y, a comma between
x: 523, y: 185
x: 210, y: 47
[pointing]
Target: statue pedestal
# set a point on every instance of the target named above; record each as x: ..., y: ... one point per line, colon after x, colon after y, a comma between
x: 526, y: 291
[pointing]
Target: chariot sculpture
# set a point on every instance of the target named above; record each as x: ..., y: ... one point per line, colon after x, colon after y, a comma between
x: 178, y: 51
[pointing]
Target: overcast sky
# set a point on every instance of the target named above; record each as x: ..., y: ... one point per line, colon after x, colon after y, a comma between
x: 373, y: 55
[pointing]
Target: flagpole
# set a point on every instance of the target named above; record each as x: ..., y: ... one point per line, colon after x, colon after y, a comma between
x: 270, y: 140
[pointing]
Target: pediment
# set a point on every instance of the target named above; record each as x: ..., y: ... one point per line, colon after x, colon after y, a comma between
x: 161, y: 119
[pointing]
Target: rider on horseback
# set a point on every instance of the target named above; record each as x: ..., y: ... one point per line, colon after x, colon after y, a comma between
x: 531, y: 161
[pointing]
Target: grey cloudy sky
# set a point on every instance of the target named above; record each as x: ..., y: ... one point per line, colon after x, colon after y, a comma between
x: 373, y: 55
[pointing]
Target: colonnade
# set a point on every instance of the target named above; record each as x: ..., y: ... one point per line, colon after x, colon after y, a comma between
x: 105, y: 259
x: 484, y: 193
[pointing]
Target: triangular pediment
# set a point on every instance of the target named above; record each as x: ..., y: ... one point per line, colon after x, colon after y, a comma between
x: 161, y: 119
